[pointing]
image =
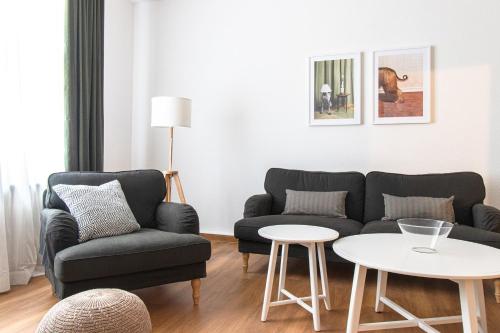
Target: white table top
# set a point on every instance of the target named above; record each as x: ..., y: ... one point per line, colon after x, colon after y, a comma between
x: 455, y: 259
x: 297, y: 233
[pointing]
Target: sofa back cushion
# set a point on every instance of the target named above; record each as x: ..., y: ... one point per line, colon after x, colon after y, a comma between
x: 467, y: 187
x: 278, y: 180
x: 143, y: 189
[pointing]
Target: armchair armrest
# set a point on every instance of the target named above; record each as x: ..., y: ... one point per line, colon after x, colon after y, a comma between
x: 258, y: 205
x: 486, y: 217
x: 58, y: 231
x: 177, y: 217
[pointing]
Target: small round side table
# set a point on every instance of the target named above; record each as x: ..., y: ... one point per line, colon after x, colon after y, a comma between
x: 311, y: 237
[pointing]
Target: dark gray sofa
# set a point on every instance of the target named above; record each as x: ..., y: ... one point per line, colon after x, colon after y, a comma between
x: 476, y: 222
x: 166, y: 249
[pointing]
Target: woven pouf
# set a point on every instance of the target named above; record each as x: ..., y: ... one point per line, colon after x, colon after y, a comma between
x: 97, y: 310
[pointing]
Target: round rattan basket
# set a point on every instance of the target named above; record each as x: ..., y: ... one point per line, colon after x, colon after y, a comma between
x: 97, y: 310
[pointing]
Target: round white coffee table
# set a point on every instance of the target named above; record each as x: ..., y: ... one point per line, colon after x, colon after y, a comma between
x: 311, y: 237
x: 463, y: 262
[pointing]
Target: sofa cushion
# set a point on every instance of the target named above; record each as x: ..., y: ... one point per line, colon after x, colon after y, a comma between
x: 467, y: 187
x: 100, y: 211
x: 278, y: 180
x: 462, y: 232
x: 144, y: 250
x: 144, y: 190
x: 246, y: 229
x: 420, y: 207
x: 330, y: 204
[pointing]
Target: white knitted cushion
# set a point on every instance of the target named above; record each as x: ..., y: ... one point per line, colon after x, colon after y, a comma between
x: 97, y: 310
x: 99, y: 211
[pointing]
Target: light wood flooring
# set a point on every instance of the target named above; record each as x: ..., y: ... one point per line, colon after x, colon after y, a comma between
x: 231, y: 300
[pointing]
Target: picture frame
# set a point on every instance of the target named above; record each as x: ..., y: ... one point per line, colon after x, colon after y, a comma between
x: 402, y: 86
x: 335, y: 89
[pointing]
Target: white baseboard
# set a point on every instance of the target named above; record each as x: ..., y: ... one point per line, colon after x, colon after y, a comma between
x: 215, y: 232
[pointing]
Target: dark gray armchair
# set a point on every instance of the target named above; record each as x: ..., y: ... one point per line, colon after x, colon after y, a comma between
x: 166, y: 249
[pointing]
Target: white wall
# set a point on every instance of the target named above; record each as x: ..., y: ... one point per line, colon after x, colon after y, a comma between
x: 243, y: 64
x: 118, y: 50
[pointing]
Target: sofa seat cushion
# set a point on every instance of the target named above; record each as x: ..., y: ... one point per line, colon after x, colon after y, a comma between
x: 141, y: 251
x: 246, y: 229
x: 462, y: 232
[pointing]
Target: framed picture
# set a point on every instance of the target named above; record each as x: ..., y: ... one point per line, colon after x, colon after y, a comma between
x: 402, y: 86
x: 335, y: 90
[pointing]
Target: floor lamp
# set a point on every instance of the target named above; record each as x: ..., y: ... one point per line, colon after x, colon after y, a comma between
x: 171, y: 112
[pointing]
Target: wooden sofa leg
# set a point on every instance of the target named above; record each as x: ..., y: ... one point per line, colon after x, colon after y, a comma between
x: 245, y: 257
x: 196, y: 284
x: 497, y: 290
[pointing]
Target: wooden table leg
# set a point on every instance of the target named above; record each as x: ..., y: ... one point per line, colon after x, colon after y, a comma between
x: 269, y: 281
x: 313, y: 276
x: 481, y: 307
x: 468, y: 304
x: 358, y: 288
x: 381, y: 288
x: 284, y: 258
x: 324, y: 275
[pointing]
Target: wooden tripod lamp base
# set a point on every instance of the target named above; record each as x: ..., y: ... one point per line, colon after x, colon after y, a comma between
x: 169, y: 175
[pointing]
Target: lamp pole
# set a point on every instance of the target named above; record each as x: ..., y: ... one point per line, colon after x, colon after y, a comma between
x: 171, y: 148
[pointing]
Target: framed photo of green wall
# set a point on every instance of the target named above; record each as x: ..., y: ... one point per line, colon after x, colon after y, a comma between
x: 335, y: 90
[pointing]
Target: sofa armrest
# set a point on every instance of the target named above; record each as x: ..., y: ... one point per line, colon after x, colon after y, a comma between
x: 486, y: 217
x: 177, y: 217
x: 258, y: 205
x: 58, y: 231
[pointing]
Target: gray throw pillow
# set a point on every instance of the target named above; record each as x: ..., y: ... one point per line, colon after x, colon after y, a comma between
x: 421, y: 207
x: 330, y: 204
x: 99, y: 211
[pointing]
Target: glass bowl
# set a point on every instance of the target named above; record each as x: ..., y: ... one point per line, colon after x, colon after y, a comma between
x: 423, y: 235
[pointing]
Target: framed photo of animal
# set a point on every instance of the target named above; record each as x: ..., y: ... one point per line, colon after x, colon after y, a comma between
x: 402, y: 86
x: 335, y: 90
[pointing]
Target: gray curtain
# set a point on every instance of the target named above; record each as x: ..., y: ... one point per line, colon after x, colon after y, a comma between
x: 84, y: 85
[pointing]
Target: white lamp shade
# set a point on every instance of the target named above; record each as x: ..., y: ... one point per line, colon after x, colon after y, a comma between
x: 325, y: 88
x: 170, y: 112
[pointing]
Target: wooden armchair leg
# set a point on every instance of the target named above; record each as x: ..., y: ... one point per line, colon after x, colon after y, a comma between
x: 245, y: 257
x: 196, y: 284
x: 497, y: 290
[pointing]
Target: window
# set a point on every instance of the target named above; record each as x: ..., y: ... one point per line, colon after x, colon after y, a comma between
x: 31, y: 126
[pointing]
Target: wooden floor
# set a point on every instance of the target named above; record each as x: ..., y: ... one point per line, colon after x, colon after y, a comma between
x: 231, y: 300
